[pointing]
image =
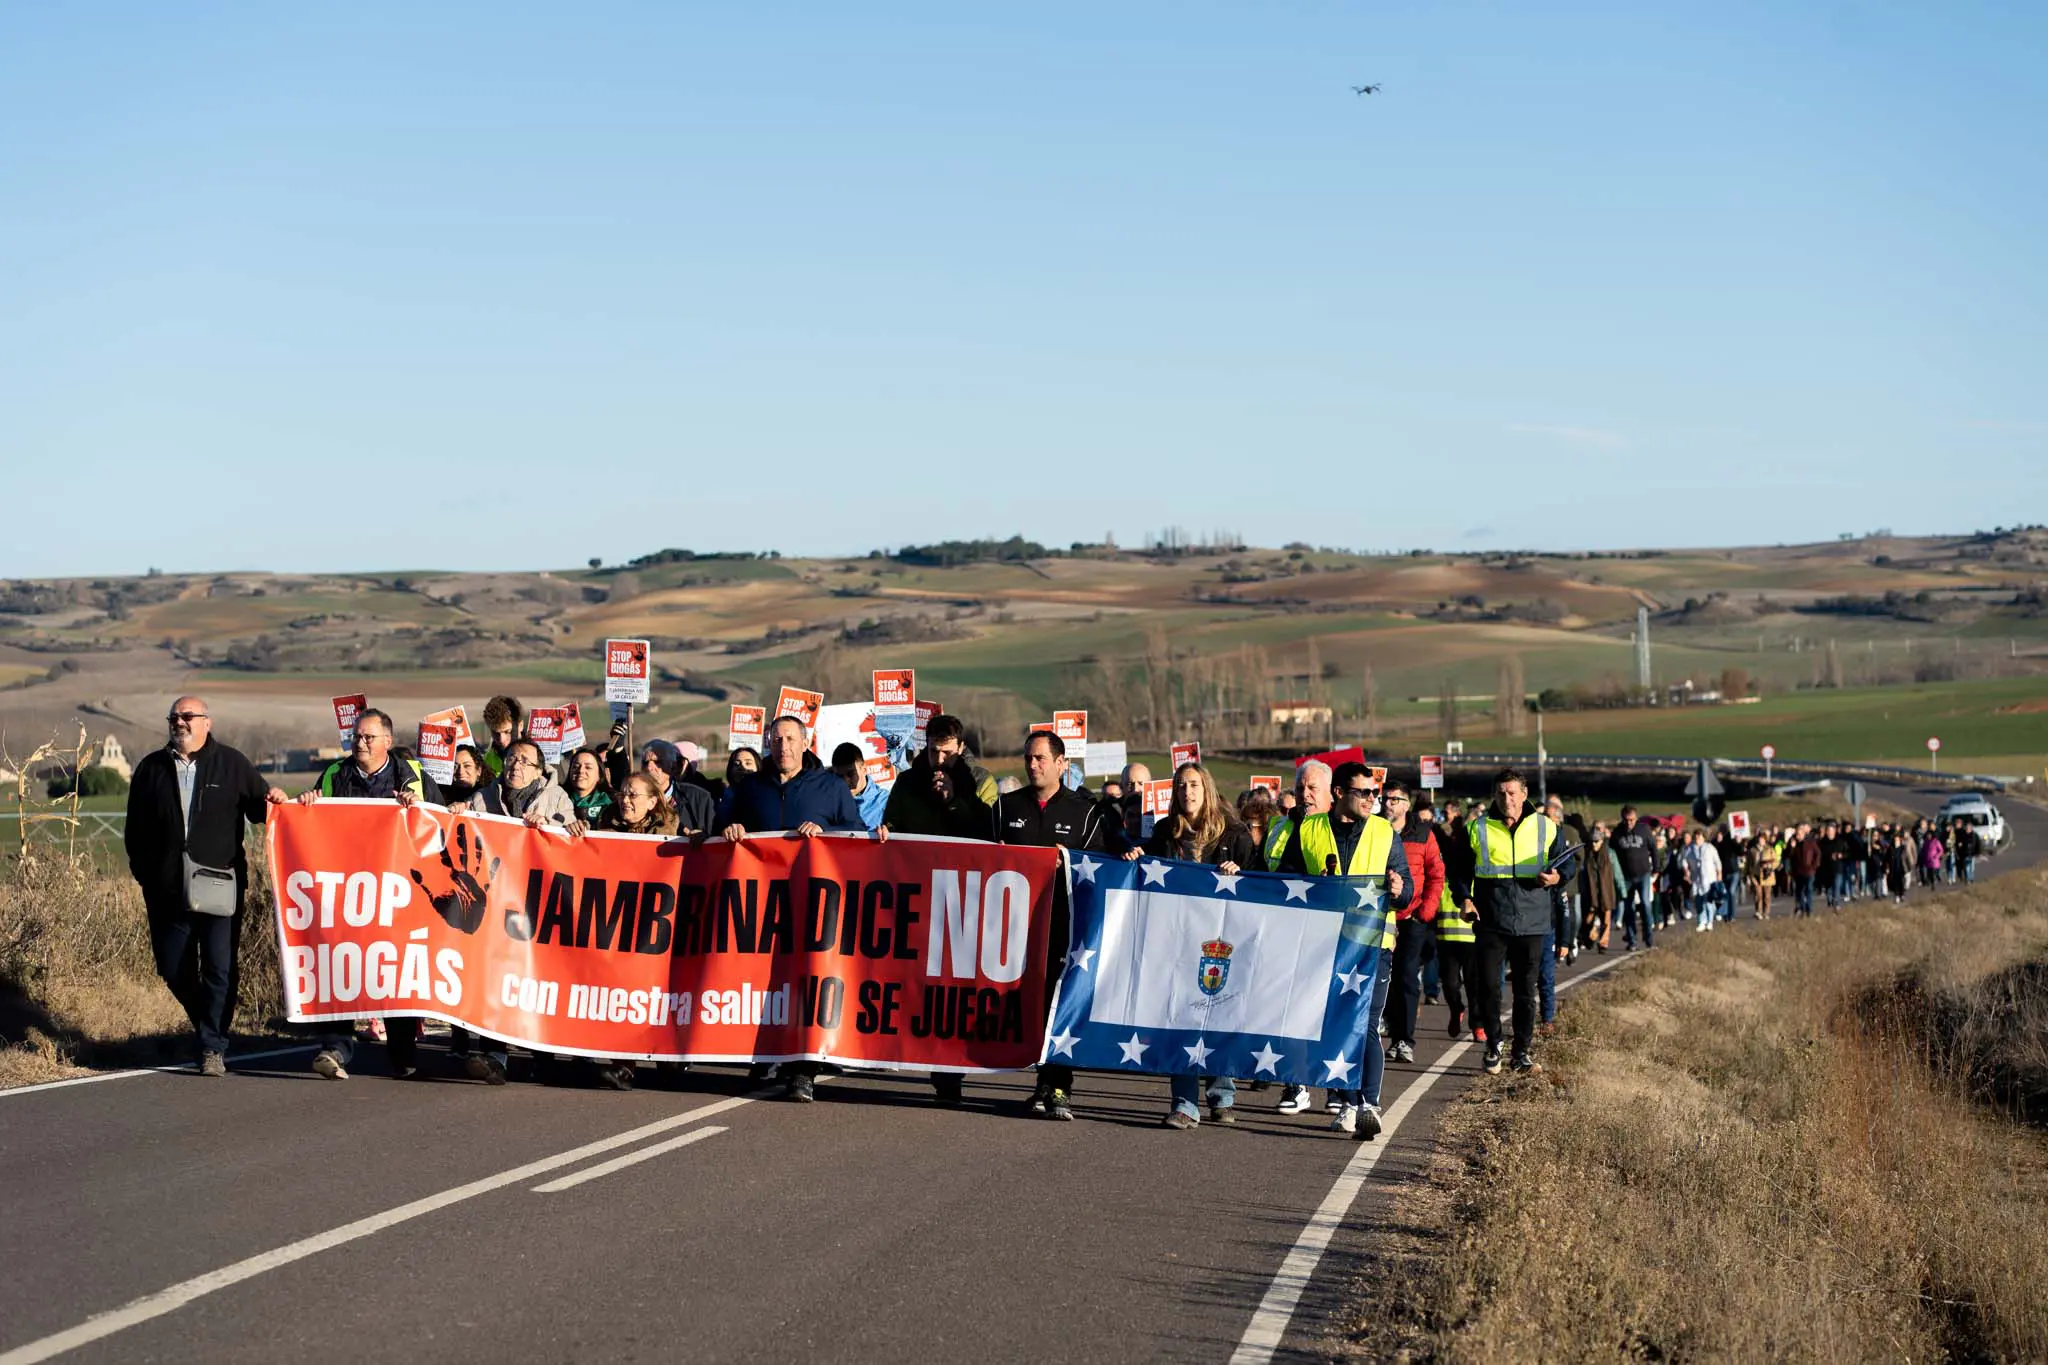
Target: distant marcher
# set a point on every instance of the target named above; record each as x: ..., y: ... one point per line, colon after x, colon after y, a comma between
x: 1762, y: 871
x: 1703, y: 878
x: 1601, y: 887
x: 1515, y: 863
x: 1635, y: 847
x: 850, y: 765
x: 186, y: 808
x: 1415, y: 922
x: 505, y: 719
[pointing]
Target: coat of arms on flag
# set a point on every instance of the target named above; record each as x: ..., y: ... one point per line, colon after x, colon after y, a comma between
x: 1177, y: 968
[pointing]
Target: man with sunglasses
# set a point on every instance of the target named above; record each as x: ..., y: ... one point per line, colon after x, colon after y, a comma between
x: 1351, y: 841
x: 186, y: 808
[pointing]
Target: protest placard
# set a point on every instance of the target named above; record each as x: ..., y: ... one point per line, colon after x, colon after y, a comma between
x: 1106, y: 758
x: 437, y: 751
x: 743, y: 731
x: 1072, y: 728
x: 1266, y: 783
x: 881, y: 772
x: 926, y: 709
x: 544, y: 727
x: 628, y: 672
x: 847, y: 722
x: 896, y: 704
x: 1432, y: 772
x: 1738, y: 823
x: 346, y: 709
x: 795, y: 701
x: 573, y: 737
x: 1157, y: 804
x: 1186, y: 752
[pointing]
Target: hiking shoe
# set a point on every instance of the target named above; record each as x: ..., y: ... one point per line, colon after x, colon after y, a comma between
x: 1346, y: 1120
x: 213, y: 1064
x: 1403, y: 1052
x: 1491, y: 1064
x: 328, y: 1064
x: 1368, y: 1122
x: 1293, y: 1100
x: 617, y: 1076
x: 1035, y: 1106
x: 1180, y: 1120
x: 1057, y: 1108
x: 1524, y: 1064
x: 493, y: 1071
x: 1220, y: 1113
x: 949, y: 1089
x: 799, y: 1089
x: 1457, y: 1023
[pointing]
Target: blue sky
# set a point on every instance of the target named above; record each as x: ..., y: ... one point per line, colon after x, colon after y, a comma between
x: 381, y: 286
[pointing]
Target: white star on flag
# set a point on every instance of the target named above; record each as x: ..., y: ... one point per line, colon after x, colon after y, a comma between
x: 1353, y: 981
x: 1298, y: 891
x: 1155, y: 874
x: 1084, y: 868
x: 1340, y: 1070
x: 1226, y: 881
x: 1198, y: 1055
x: 1265, y: 1059
x: 1134, y: 1051
x: 1079, y: 958
x: 1366, y: 896
x: 1062, y: 1044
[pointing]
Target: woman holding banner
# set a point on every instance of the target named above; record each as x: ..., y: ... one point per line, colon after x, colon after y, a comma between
x: 583, y: 779
x: 1200, y: 829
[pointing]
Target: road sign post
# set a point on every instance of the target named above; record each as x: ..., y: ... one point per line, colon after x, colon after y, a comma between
x: 1933, y: 754
x: 1770, y: 752
x: 1853, y: 793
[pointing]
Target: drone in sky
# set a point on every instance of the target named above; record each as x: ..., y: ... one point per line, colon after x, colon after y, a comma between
x: 1365, y: 90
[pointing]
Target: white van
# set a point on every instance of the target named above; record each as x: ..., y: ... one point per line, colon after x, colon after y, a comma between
x: 1981, y: 814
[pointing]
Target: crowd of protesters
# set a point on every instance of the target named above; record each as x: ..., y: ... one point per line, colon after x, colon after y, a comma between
x: 1486, y: 898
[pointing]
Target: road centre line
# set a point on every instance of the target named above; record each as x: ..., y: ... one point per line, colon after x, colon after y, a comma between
x: 164, y: 1301
x: 12, y: 1091
x: 620, y: 1163
x: 1268, y: 1327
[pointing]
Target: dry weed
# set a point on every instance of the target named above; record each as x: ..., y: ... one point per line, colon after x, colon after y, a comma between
x: 1741, y: 1152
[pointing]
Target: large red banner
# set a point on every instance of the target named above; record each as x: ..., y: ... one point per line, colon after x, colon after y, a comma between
x: 919, y: 953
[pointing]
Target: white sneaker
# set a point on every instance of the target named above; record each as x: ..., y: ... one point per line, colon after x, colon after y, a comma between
x: 1295, y: 1101
x: 1346, y: 1120
x: 1368, y: 1123
x: 1332, y: 1105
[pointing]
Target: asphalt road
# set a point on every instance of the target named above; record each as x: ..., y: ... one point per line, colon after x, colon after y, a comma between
x: 273, y: 1215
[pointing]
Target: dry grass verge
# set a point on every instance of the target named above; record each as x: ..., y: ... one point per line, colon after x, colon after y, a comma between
x: 1759, y: 1146
x: 78, y: 987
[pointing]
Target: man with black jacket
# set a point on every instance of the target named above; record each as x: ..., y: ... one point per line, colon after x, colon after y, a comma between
x: 1635, y: 847
x: 188, y: 802
x: 941, y: 792
x: 806, y: 802
x: 1044, y: 814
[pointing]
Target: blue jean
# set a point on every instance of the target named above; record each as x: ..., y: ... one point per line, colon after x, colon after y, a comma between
x: 1969, y: 869
x: 1375, y: 1067
x: 1639, y: 902
x: 1703, y: 909
x: 1187, y: 1093
x: 1546, y: 980
x: 1730, y: 888
x: 1432, y: 975
x: 1404, y: 990
x: 1802, y: 895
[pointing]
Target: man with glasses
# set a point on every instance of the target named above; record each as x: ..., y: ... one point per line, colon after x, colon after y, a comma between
x: 373, y: 772
x: 186, y: 808
x: 1350, y: 841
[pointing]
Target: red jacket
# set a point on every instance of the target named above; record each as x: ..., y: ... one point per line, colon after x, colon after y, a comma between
x: 1426, y: 864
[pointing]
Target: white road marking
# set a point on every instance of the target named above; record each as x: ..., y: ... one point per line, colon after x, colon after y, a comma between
x: 620, y: 1163
x: 1263, y: 1335
x: 234, y: 1060
x: 152, y: 1306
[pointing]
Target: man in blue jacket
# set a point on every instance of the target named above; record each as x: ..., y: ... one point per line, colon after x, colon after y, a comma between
x: 805, y: 802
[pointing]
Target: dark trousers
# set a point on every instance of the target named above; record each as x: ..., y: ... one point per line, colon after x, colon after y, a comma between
x: 1404, y: 988
x: 401, y: 1043
x: 1454, y: 968
x: 1522, y: 955
x: 196, y: 957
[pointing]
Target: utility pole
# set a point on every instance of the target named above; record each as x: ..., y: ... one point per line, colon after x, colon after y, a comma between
x: 1643, y: 647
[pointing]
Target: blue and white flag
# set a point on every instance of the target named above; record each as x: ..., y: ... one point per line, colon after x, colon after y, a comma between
x: 1178, y: 968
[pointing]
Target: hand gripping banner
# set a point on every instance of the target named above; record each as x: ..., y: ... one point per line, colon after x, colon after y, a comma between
x: 926, y: 954
x: 1181, y: 969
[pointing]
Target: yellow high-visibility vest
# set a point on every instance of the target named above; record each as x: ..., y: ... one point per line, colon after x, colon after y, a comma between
x: 1368, y: 859
x: 1524, y: 846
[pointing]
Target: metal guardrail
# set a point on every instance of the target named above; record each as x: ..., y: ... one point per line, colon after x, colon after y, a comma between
x: 93, y: 823
x: 1744, y: 767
